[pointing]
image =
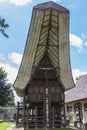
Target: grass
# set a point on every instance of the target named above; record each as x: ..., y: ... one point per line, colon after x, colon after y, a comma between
x: 49, y: 129
x: 5, y: 125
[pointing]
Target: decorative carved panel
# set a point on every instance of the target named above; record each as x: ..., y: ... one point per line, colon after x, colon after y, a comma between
x: 58, y: 90
x: 53, y: 90
x: 30, y: 90
x: 30, y: 97
x: 42, y: 89
x: 36, y: 89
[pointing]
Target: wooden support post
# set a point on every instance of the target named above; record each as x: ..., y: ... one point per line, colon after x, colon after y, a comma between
x: 24, y: 109
x: 27, y: 120
x: 47, y: 101
x: 64, y: 109
x: 17, y: 113
x: 36, y: 118
x: 53, y: 117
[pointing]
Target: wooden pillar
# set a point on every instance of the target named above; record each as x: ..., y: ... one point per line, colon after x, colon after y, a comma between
x: 44, y: 113
x: 46, y: 95
x: 53, y: 124
x: 36, y: 117
x: 24, y: 109
x: 17, y: 113
x: 47, y: 112
x: 67, y: 115
x: 74, y: 116
x: 84, y: 116
x: 64, y: 109
x: 50, y: 113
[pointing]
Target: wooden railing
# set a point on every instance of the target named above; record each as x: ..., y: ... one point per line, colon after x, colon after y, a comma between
x: 33, y: 121
x: 19, y: 115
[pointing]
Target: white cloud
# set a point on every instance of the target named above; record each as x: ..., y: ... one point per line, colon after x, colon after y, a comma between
x: 1, y: 56
x: 17, y: 98
x: 85, y: 43
x: 15, y: 57
x: 83, y: 35
x: 2, y: 0
x: 20, y: 2
x: 76, y: 73
x: 56, y: 0
x: 11, y: 72
x: 17, y: 2
x: 76, y: 41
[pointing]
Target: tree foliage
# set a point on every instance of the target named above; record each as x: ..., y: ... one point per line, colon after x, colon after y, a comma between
x: 3, y: 26
x: 6, y: 91
x: 77, y: 78
x: 1, y: 108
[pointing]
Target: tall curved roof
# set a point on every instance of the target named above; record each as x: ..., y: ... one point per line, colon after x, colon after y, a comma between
x: 48, y: 32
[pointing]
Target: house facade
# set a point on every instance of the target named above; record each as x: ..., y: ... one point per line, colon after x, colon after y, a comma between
x: 76, y: 103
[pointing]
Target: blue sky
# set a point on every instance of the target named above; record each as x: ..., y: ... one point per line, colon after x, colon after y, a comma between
x: 18, y: 15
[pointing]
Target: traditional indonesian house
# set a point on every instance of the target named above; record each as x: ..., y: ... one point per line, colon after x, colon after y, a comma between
x: 76, y: 103
x: 45, y: 71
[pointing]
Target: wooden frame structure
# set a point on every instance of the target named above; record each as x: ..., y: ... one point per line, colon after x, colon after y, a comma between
x: 44, y: 96
x: 45, y: 71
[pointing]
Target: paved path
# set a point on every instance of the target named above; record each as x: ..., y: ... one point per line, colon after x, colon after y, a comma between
x: 18, y: 129
x: 12, y: 127
x: 74, y: 128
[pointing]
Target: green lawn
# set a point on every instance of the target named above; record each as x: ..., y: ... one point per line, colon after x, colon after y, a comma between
x: 5, y: 125
x: 50, y: 129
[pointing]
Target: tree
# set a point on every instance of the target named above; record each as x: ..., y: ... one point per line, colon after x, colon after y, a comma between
x: 6, y: 91
x: 3, y: 26
x: 77, y: 78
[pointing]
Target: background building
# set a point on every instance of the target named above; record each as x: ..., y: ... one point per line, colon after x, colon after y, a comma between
x: 76, y: 103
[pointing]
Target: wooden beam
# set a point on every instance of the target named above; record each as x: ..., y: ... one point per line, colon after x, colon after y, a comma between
x: 24, y: 108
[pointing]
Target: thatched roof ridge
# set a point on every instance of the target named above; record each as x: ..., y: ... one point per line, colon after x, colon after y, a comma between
x: 79, y: 92
x: 53, y: 5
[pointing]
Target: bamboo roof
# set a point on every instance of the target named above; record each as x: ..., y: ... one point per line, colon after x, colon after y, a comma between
x: 79, y: 92
x: 48, y: 32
